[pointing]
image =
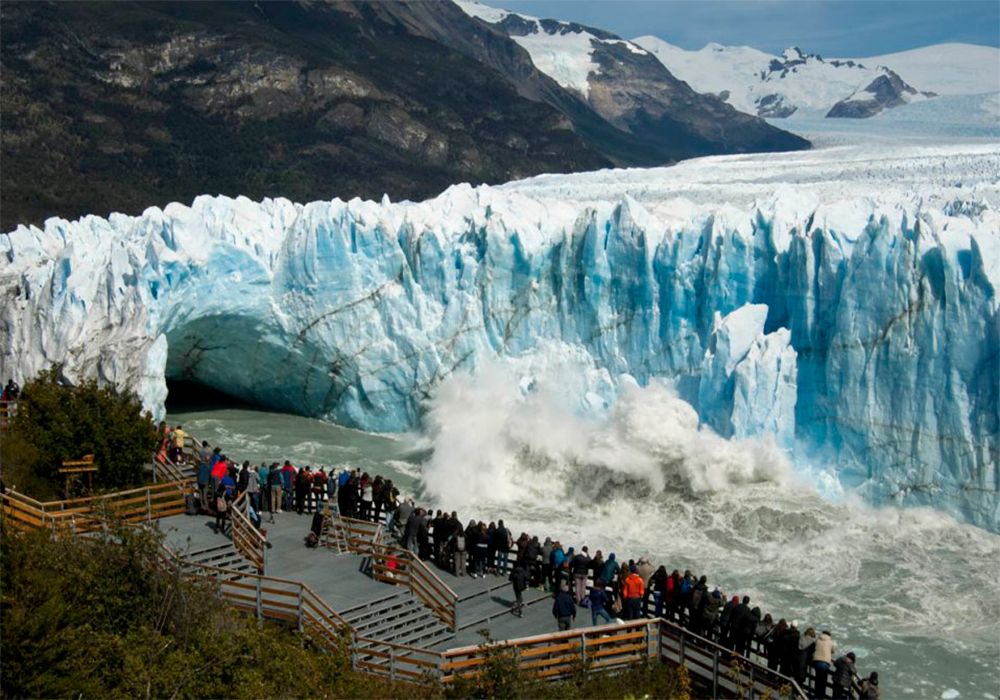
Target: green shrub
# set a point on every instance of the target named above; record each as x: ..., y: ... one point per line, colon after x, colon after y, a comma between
x: 56, y: 422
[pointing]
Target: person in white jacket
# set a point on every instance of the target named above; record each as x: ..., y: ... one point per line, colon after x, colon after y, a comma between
x: 823, y: 661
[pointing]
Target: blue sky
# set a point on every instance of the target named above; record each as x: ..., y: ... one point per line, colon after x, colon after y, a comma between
x: 850, y: 28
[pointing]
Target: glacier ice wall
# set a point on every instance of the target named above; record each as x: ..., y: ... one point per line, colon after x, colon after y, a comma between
x: 863, y: 330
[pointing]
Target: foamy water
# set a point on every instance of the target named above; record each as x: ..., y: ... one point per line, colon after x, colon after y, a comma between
x: 914, y: 593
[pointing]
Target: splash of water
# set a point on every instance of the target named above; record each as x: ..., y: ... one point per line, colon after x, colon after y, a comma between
x: 486, y: 427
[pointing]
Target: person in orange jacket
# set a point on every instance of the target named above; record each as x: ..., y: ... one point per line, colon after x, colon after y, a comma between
x: 635, y: 589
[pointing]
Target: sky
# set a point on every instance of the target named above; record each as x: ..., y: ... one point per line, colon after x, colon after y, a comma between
x: 837, y: 28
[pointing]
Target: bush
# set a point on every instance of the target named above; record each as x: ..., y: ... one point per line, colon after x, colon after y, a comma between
x: 56, y: 422
x: 101, y: 619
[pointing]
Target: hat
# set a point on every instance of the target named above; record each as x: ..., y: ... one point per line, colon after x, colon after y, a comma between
x: 631, y: 567
x: 873, y: 678
x: 851, y: 656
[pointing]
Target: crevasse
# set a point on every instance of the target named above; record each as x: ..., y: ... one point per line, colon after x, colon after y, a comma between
x: 868, y: 341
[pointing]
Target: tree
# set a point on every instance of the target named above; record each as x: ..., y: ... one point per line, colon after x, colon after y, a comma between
x: 57, y: 421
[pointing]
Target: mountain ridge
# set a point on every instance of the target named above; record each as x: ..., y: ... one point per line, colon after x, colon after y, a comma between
x: 164, y: 101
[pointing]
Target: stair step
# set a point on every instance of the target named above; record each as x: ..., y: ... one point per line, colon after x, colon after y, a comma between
x: 376, y: 607
x: 397, y: 616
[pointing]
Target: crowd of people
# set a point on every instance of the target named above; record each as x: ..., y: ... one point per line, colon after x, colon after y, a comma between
x: 607, y: 587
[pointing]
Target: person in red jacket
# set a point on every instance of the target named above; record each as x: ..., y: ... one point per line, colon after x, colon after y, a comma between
x: 634, y: 590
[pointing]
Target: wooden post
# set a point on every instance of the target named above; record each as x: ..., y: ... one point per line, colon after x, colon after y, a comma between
x: 300, y: 608
x: 260, y: 601
x: 751, y: 682
x: 583, y: 648
x: 392, y: 664
x: 149, y: 507
x: 715, y: 674
x: 682, y: 648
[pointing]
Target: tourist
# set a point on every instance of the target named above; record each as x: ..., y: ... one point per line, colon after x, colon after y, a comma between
x: 411, y: 529
x: 243, y: 477
x: 580, y: 565
x: 788, y: 650
x: 546, y: 564
x: 424, y: 536
x: 695, y: 608
x: 303, y: 485
x: 869, y: 687
x: 658, y: 583
x: 439, y: 535
x: 501, y: 541
x: 253, y: 487
x: 645, y: 570
x: 367, y: 498
x: 773, y: 645
x: 531, y: 553
x: 204, y: 472
x: 737, y: 627
x: 519, y: 580
x: 219, y: 470
x: 634, y: 590
x: 672, y: 594
x: 843, y: 675
x: 710, y: 613
x: 684, y: 595
x: 319, y: 488
x: 480, y: 553
x: 610, y: 571
x: 288, y: 473
x: 807, y: 647
x: 400, y: 518
x: 822, y: 661
x: 763, y: 633
x: 556, y: 560
x: 264, y: 483
x: 378, y: 498
x: 597, y: 565
x: 179, y: 436
x: 276, y: 484
x: 564, y: 610
x: 459, y: 551
x: 749, y: 628
x: 725, y: 624
x: 563, y: 578
x: 599, y: 602
x: 222, y: 506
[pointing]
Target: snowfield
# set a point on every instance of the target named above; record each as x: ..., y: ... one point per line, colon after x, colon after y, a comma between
x: 841, y: 302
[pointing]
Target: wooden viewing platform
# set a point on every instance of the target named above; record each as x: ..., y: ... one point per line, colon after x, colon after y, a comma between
x: 404, y: 619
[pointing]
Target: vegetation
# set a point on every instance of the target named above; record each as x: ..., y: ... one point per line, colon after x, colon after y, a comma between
x: 56, y: 421
x: 102, y: 618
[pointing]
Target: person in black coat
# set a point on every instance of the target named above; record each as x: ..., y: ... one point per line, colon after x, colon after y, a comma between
x: 737, y: 620
x: 788, y: 653
x: 519, y: 580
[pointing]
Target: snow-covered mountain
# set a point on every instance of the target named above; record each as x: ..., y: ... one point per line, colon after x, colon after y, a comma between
x: 843, y: 302
x: 795, y: 82
x: 622, y: 83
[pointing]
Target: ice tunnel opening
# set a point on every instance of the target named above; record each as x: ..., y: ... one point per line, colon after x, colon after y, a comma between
x: 219, y: 361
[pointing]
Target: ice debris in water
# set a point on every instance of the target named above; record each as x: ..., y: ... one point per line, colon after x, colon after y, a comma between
x: 837, y: 301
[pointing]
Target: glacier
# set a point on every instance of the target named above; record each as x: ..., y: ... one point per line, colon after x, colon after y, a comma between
x: 843, y: 301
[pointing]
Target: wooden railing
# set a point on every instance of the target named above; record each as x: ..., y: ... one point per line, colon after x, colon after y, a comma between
x: 357, y: 536
x: 268, y: 597
x: 403, y: 568
x: 552, y: 656
x: 396, y: 661
x: 248, y: 540
x: 143, y: 504
x: 727, y: 673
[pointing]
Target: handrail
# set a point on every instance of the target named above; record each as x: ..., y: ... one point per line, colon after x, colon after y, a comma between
x: 247, y: 539
x: 145, y: 503
x: 758, y: 673
x: 418, y: 577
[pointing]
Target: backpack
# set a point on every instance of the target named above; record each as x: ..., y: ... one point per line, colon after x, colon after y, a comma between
x: 460, y: 543
x: 685, y: 586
